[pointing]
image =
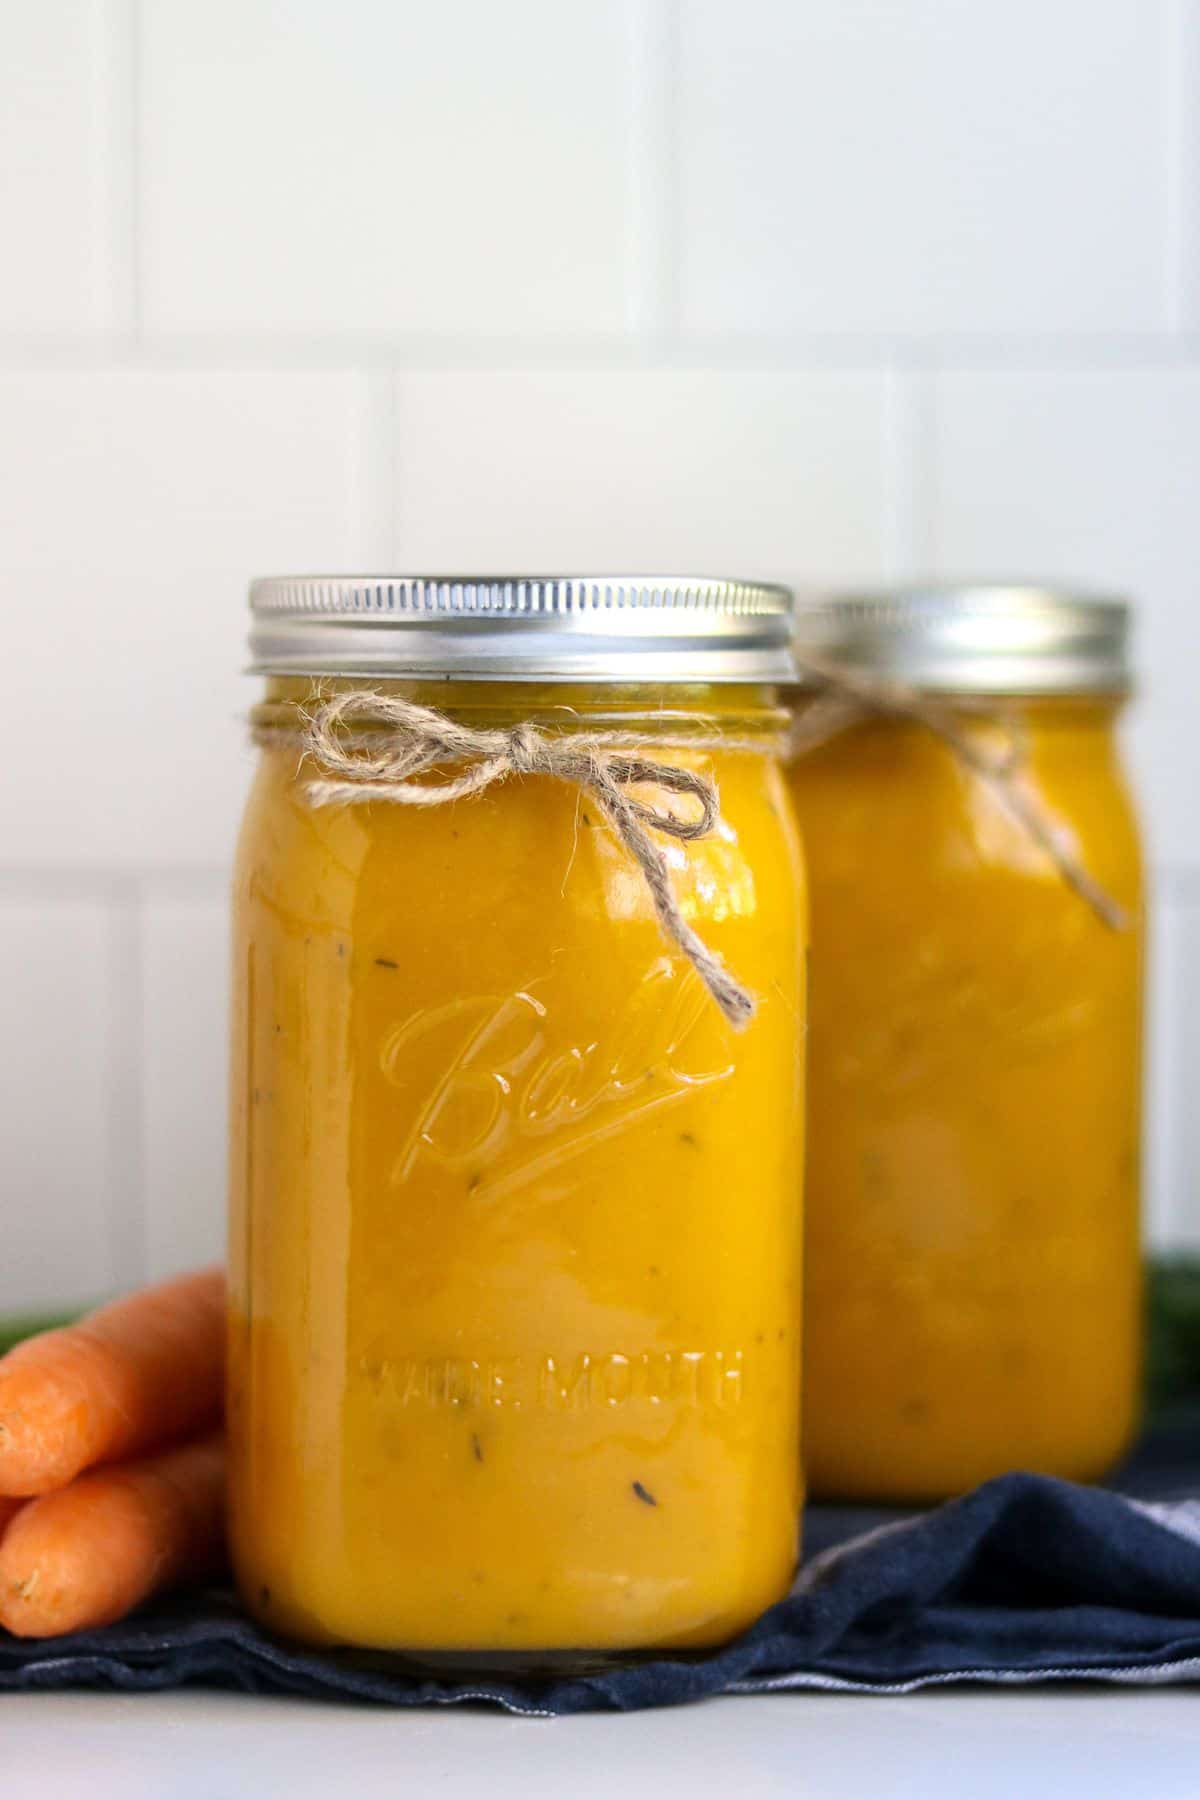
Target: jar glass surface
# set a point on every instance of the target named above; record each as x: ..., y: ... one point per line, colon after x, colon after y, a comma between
x: 973, y: 1297
x: 515, y: 1221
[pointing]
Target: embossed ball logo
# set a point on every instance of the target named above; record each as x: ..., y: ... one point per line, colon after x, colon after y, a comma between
x: 500, y: 1089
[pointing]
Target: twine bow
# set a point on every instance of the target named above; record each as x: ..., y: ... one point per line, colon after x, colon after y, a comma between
x: 404, y: 742
x: 373, y: 747
x: 845, y: 697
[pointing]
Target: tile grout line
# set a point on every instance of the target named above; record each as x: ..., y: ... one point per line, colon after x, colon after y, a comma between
x: 383, y: 476
x: 652, y: 174
x: 117, y: 73
x: 912, y: 448
x: 126, y: 1107
x: 928, y: 546
x: 1178, y: 58
x: 395, y: 498
x: 898, y: 520
x: 136, y: 161
x: 651, y: 350
x: 397, y: 493
x: 895, y: 513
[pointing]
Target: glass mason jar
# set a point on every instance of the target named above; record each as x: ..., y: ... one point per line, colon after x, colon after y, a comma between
x: 515, y: 1220
x: 973, y: 1297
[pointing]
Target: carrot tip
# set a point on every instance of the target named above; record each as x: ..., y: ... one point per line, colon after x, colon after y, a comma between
x: 143, y: 1371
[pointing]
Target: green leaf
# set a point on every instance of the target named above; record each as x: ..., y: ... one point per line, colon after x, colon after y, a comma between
x: 13, y: 1331
x: 1173, y: 1333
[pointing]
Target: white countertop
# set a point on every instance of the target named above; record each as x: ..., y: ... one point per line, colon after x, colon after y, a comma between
x: 1071, y: 1744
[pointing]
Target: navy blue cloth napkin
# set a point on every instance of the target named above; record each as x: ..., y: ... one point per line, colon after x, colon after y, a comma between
x: 1024, y: 1580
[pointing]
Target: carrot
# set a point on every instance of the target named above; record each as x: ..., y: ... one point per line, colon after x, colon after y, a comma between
x: 8, y: 1510
x: 88, y: 1554
x: 139, y: 1373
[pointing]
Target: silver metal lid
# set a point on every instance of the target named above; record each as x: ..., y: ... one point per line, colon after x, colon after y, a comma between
x: 986, y: 638
x: 571, y: 628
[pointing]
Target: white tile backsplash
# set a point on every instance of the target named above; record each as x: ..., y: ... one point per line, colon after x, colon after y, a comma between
x: 748, y: 472
x: 185, y: 1009
x: 1093, y: 479
x: 385, y: 168
x: 56, y: 999
x: 857, y: 165
x: 821, y: 289
x: 62, y: 169
x: 133, y: 507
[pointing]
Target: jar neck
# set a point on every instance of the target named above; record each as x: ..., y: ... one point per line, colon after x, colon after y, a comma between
x: 1074, y: 711
x: 620, y: 706
x: 1067, y: 709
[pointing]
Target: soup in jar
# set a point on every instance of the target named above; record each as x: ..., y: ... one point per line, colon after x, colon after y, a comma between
x: 515, y: 1224
x: 973, y: 1282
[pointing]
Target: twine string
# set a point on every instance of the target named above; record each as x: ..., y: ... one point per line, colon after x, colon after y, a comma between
x: 413, y: 741
x: 371, y: 746
x: 845, y: 698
